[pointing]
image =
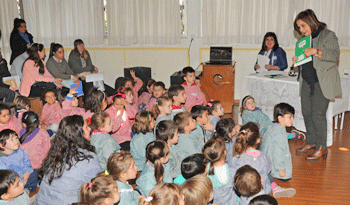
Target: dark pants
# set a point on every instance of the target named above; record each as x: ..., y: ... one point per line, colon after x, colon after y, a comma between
x: 88, y: 86
x: 314, y: 108
x: 32, y: 181
x: 125, y: 146
x: 38, y: 89
x: 8, y: 94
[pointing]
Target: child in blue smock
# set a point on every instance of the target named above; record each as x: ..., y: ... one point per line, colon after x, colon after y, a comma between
x: 155, y: 172
x: 216, y: 111
x: 246, y: 151
x: 121, y: 166
x: 191, y: 166
x: 162, y: 110
x: 143, y: 129
x: 105, y: 145
x: 204, y: 129
x: 220, y: 173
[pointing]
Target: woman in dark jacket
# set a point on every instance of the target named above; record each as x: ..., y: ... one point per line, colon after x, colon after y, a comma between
x: 20, y: 39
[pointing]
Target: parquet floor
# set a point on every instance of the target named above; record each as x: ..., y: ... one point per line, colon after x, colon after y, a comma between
x: 325, y: 181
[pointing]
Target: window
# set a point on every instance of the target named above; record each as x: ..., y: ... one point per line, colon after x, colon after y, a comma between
x: 183, y: 16
x: 20, y: 9
x: 105, y: 18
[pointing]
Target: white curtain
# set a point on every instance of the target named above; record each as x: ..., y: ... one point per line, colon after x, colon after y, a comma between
x: 132, y: 22
x: 247, y: 21
x: 8, y: 13
x: 64, y: 21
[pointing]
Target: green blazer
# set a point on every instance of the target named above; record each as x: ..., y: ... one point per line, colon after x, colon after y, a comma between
x: 326, y: 67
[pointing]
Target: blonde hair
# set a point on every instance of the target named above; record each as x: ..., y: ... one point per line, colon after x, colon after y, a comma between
x: 247, y: 137
x: 98, y: 120
x: 154, y: 152
x: 160, y: 102
x: 97, y: 190
x: 197, y: 190
x: 119, y: 163
x: 182, y: 119
x: 164, y: 194
x: 214, y: 150
x: 21, y: 102
x: 142, y: 121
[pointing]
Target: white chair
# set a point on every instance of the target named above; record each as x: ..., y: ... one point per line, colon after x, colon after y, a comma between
x: 346, y: 74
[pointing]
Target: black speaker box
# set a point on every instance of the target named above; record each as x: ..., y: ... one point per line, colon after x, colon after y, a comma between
x: 144, y: 73
x: 176, y: 78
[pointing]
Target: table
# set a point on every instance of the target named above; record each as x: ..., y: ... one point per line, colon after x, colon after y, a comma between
x: 268, y: 92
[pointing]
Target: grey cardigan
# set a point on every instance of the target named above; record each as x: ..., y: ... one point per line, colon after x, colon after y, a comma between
x: 59, y: 70
x: 326, y: 67
x: 76, y: 65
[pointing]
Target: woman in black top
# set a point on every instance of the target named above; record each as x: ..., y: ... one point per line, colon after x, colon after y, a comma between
x: 20, y: 39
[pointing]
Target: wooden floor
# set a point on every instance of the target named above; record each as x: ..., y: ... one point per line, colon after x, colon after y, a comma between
x: 325, y: 181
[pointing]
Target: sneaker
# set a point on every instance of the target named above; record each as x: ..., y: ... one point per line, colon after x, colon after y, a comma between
x: 282, y: 192
x: 299, y: 135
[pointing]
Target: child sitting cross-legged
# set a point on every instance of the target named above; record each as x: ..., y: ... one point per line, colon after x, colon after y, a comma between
x: 167, y: 131
x: 220, y: 173
x: 143, y: 129
x: 204, y: 128
x: 155, y: 172
x: 105, y: 145
x: 188, y: 143
x: 177, y: 94
x: 12, y: 189
x: 22, y: 105
x: 191, y: 166
x: 121, y: 166
x: 12, y: 157
x: 50, y: 116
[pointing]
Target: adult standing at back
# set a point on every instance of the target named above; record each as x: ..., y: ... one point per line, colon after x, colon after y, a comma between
x: 276, y: 54
x: 319, y: 81
x: 20, y: 39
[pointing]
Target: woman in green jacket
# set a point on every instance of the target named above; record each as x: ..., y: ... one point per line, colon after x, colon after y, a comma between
x: 319, y: 81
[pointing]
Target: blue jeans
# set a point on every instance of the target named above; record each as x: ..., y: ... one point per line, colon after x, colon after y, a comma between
x: 32, y: 181
x: 8, y: 94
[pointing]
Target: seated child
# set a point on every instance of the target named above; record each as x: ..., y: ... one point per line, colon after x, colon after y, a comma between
x: 145, y: 93
x: 191, y: 166
x: 105, y: 145
x: 130, y: 106
x: 121, y: 166
x: 275, y: 143
x: 194, y: 94
x: 248, y: 183
x: 22, y: 105
x: 12, y: 157
x: 95, y: 102
x: 5, y: 118
x: 188, y: 143
x: 70, y: 105
x: 155, y: 172
x: 215, y: 110
x: 201, y: 116
x: 167, y: 131
x: 220, y: 173
x: 177, y: 94
x: 143, y: 129
x: 246, y: 152
x: 135, y: 84
x: 197, y: 190
x: 164, y: 194
x: 101, y: 190
x: 198, y: 82
x: 263, y: 200
x: 34, y: 141
x: 162, y: 109
x: 50, y: 116
x: 226, y: 130
x: 158, y: 91
x: 12, y: 189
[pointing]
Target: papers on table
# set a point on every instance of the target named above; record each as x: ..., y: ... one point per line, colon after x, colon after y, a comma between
x: 13, y: 81
x: 262, y: 61
x: 97, y: 80
x: 299, y: 50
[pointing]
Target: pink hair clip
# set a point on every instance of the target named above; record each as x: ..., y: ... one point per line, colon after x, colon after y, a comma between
x: 122, y: 90
x: 123, y: 95
x: 149, y: 199
x: 90, y: 185
x: 210, y: 105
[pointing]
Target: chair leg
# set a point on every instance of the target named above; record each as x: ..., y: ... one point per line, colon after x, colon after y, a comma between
x: 336, y: 122
x: 342, y: 120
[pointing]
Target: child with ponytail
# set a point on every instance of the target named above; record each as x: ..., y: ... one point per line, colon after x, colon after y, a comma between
x: 101, y: 190
x: 145, y: 93
x: 34, y: 141
x: 22, y: 105
x: 246, y: 151
x: 162, y: 109
x: 215, y: 111
x: 154, y: 172
x: 105, y: 145
x: 164, y: 194
x: 220, y: 173
x: 121, y: 167
x: 143, y: 130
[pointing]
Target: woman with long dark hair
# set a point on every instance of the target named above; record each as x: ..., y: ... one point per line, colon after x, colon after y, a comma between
x: 276, y: 54
x: 34, y: 70
x: 319, y: 81
x: 71, y: 161
x: 20, y: 39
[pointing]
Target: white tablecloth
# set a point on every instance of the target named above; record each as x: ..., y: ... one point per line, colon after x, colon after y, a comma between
x: 268, y: 92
